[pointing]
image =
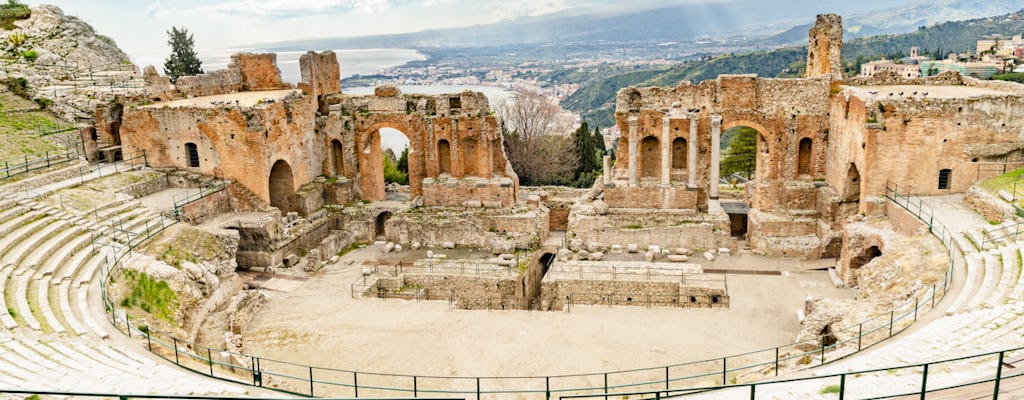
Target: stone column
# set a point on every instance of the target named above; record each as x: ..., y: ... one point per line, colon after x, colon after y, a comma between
x: 455, y: 159
x: 691, y: 150
x: 666, y: 155
x: 633, y: 120
x: 607, y: 166
x: 716, y: 153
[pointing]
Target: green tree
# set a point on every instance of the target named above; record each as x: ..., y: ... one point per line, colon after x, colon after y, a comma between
x: 183, y: 60
x: 392, y: 174
x: 741, y: 155
x: 586, y: 153
x: 403, y: 161
x: 599, y: 144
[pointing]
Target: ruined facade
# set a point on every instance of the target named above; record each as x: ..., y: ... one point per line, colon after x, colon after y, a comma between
x: 244, y: 124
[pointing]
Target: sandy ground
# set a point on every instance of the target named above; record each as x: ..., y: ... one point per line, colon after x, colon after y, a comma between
x: 320, y: 324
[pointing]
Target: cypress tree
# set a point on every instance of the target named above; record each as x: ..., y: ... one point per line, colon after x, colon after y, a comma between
x: 599, y: 144
x: 183, y: 60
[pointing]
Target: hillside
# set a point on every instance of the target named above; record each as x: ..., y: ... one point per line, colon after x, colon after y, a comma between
x: 595, y: 101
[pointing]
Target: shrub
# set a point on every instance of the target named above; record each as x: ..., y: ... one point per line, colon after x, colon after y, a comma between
x: 17, y: 85
x: 829, y: 389
x: 13, y: 11
x: 16, y: 39
x: 43, y: 102
x: 152, y: 296
x: 392, y: 174
x: 30, y: 55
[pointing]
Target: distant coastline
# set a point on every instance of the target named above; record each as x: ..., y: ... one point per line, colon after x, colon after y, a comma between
x: 352, y: 61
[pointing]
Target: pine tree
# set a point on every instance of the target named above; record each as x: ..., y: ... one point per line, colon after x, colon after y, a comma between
x: 599, y: 144
x: 741, y: 156
x: 183, y: 60
x: 403, y: 161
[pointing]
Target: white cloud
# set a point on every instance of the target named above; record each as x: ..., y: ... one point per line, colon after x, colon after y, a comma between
x: 290, y: 8
x: 153, y: 9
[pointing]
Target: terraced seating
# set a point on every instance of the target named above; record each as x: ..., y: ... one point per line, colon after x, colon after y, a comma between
x: 51, y: 338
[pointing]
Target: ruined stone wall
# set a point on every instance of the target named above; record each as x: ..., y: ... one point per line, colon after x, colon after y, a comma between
x: 991, y: 207
x: 783, y: 111
x: 908, y: 141
x: 241, y: 144
x: 692, y: 231
x: 320, y: 73
x: 463, y: 122
x: 499, y: 229
x: 210, y: 83
x: 825, y: 43
x: 470, y: 292
x: 556, y: 294
x: 258, y: 71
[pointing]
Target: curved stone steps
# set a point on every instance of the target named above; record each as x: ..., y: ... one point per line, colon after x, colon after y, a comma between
x: 990, y: 277
x: 68, y: 269
x: 5, y: 317
x: 15, y: 236
x: 9, y: 213
x: 1010, y: 256
x: 31, y: 244
x: 60, y: 256
x: 74, y: 323
x: 42, y: 289
x: 21, y: 299
x: 975, y: 266
x: 44, y: 250
x: 81, y: 296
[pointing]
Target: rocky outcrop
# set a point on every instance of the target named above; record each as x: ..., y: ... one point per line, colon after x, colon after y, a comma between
x: 64, y: 39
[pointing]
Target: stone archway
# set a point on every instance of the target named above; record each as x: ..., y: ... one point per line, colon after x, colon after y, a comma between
x: 282, y: 187
x: 851, y: 189
x: 371, y: 158
x: 805, y: 154
x: 380, y: 225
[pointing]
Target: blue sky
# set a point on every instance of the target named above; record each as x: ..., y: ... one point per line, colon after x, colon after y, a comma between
x: 139, y: 26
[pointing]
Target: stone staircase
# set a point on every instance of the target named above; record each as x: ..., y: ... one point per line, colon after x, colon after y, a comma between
x: 54, y: 336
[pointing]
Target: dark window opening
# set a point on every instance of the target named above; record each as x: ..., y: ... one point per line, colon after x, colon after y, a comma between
x: 945, y: 178
x: 454, y: 102
x: 192, y: 152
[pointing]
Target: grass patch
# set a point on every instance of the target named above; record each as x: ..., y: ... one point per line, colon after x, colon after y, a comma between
x: 1003, y: 182
x: 829, y: 389
x: 11, y: 311
x: 188, y: 244
x: 633, y: 226
x: 176, y: 256
x: 152, y: 296
x: 349, y: 249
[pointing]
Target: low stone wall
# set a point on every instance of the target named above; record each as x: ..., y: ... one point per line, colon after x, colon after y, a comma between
x: 470, y: 292
x: 453, y: 192
x: 200, y: 210
x: 989, y: 206
x: 146, y: 187
x: 210, y: 83
x: 670, y: 231
x: 654, y: 197
x: 502, y: 229
x: 557, y: 294
x: 781, y: 234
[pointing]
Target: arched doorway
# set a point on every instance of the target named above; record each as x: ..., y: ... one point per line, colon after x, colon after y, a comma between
x: 739, y: 153
x: 860, y: 260
x: 444, y: 157
x: 282, y: 187
x: 650, y: 150
x: 852, y: 188
x: 337, y: 158
x: 386, y: 164
x: 804, y: 155
x: 380, y: 225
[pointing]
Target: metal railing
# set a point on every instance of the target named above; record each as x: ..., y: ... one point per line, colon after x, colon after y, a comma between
x: 204, y: 191
x: 125, y: 396
x: 29, y: 165
x: 311, y: 380
x: 864, y: 384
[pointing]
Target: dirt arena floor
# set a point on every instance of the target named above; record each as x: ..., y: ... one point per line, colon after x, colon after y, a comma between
x: 319, y: 323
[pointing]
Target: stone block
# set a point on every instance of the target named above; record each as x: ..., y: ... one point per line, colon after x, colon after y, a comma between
x: 678, y: 258
x: 596, y: 256
x: 682, y: 251
x: 564, y: 255
x: 633, y: 248
x: 709, y: 256
x: 583, y: 254
x: 506, y: 256
x: 665, y: 252
x: 649, y: 256
x: 416, y: 245
x: 616, y: 248
x: 596, y: 246
x: 724, y: 251
x: 398, y: 248
x: 491, y: 204
x: 448, y: 245
x: 472, y: 203
x: 291, y: 260
x: 654, y: 249
x: 388, y: 247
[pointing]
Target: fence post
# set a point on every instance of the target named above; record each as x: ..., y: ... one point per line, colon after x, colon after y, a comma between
x: 915, y: 309
x: 860, y: 334
x: 724, y: 371
x: 311, y: 381
x: 776, y: 361
x: 209, y: 359
x: 892, y: 314
x: 547, y: 388
x: 128, y: 325
x: 478, y: 388
x: 176, y: 361
x: 666, y: 378
x: 924, y: 382
x: 933, y: 296
x: 823, y: 351
x: 149, y: 341
x: 355, y: 382
x: 999, y: 376
x: 606, y: 386
x: 842, y: 386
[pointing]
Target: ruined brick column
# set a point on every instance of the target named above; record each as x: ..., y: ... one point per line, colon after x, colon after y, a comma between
x: 691, y: 157
x: 666, y: 156
x: 632, y: 150
x: 716, y: 154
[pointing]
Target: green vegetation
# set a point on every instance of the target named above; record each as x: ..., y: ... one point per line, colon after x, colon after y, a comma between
x: 10, y: 311
x: 1005, y: 182
x: 184, y: 60
x: 175, y: 256
x: 391, y: 172
x: 13, y: 11
x: 829, y: 389
x: 741, y: 154
x: 595, y: 100
x: 349, y: 249
x: 30, y: 55
x: 22, y: 133
x: 18, y: 86
x: 588, y: 155
x: 152, y: 296
x: 633, y: 226
x: 1012, y: 77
